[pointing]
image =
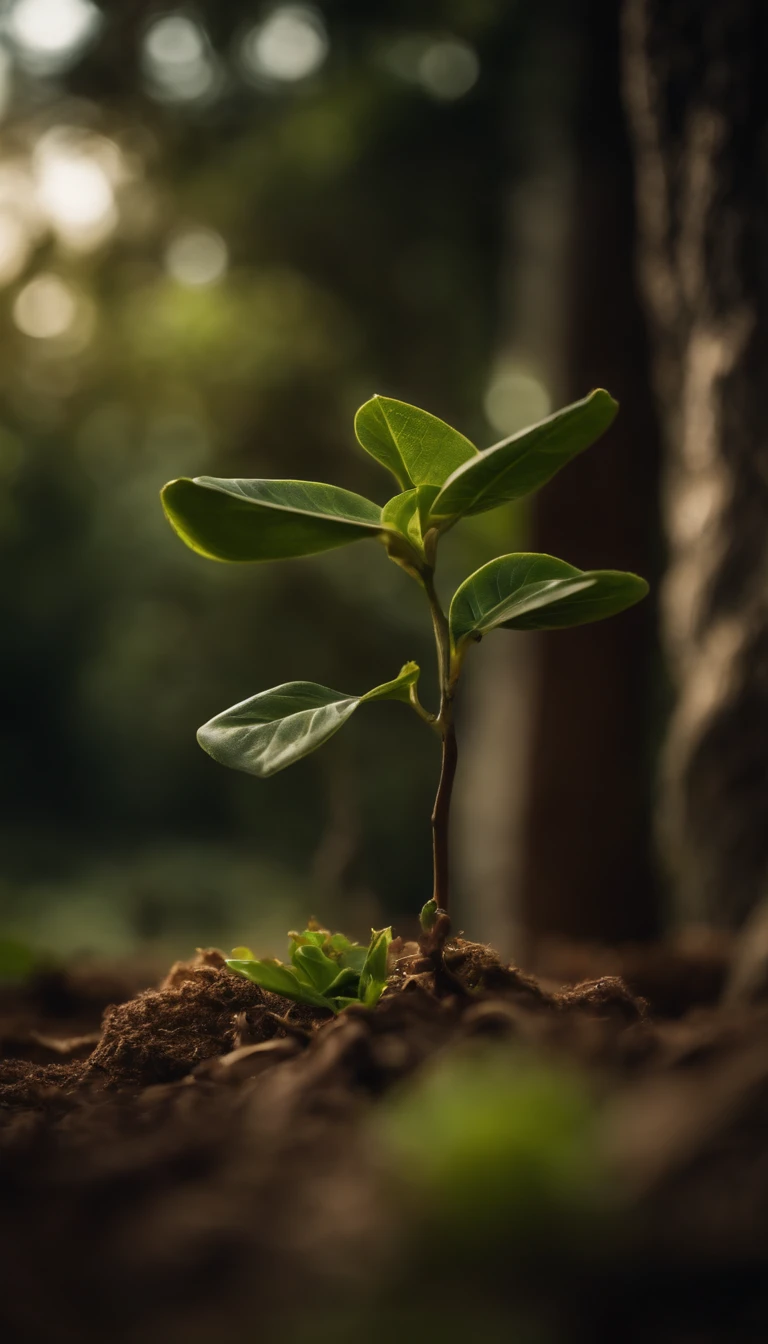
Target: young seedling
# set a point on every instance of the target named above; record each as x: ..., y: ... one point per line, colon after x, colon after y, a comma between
x: 442, y: 478
x: 326, y: 970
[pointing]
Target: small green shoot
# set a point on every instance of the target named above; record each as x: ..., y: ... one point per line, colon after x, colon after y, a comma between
x: 428, y: 916
x: 326, y: 970
x: 442, y: 478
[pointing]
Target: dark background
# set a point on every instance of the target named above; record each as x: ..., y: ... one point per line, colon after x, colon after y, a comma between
x: 222, y: 228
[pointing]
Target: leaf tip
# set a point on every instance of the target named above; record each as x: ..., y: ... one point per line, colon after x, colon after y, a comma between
x: 171, y: 488
x: 604, y: 396
x: 202, y: 734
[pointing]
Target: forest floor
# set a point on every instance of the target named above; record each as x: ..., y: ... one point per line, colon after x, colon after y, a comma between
x: 483, y: 1156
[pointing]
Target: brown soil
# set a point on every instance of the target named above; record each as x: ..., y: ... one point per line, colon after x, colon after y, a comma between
x: 204, y: 1162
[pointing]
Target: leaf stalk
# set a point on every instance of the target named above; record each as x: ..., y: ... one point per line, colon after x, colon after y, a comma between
x: 430, y: 719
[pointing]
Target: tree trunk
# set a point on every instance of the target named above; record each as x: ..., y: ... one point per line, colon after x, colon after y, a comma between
x: 587, y: 869
x: 697, y: 93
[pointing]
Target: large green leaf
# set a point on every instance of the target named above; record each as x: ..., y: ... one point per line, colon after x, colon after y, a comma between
x: 538, y: 592
x: 275, y: 728
x: 240, y: 520
x: 523, y: 463
x: 415, y: 446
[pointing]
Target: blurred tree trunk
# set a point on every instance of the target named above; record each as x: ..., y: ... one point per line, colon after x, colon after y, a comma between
x: 587, y: 869
x: 697, y: 94
x: 494, y: 777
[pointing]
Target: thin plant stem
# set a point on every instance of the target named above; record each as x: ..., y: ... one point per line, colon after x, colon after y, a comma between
x: 441, y: 819
x: 442, y: 637
x: 444, y: 722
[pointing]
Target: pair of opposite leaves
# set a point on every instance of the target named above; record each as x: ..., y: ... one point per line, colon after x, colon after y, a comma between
x: 443, y: 478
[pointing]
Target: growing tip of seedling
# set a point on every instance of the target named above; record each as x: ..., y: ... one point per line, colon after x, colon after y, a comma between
x: 428, y: 915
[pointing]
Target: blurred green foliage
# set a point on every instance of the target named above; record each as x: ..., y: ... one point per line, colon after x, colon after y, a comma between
x: 493, y: 1167
x: 496, y: 1145
x: 17, y: 960
x: 216, y: 240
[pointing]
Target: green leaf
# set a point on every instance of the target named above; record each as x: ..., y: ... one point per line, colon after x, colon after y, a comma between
x: 373, y: 977
x: 316, y: 937
x: 275, y: 728
x: 350, y: 955
x: 278, y: 979
x: 346, y: 982
x: 242, y: 954
x: 238, y: 520
x: 314, y: 967
x: 415, y: 446
x: 397, y: 689
x: 408, y: 514
x: 523, y: 463
x: 353, y: 958
x: 338, y: 942
x: 538, y: 592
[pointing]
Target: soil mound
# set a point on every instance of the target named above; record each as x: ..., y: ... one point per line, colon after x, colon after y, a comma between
x: 210, y: 1158
x: 162, y: 1034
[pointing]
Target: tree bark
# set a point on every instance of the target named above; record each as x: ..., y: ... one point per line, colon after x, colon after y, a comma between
x: 697, y: 93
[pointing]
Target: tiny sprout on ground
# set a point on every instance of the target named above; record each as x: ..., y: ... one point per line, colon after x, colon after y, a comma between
x: 442, y: 478
x: 326, y: 969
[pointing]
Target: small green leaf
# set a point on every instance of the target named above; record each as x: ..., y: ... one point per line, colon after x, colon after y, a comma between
x: 352, y: 956
x: 242, y: 954
x: 314, y: 967
x: 338, y: 942
x: 408, y: 514
x: 399, y: 689
x: 538, y: 592
x: 373, y: 977
x: 346, y: 982
x: 240, y: 520
x: 523, y: 463
x: 316, y: 937
x: 278, y: 979
x: 275, y: 728
x: 415, y: 446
